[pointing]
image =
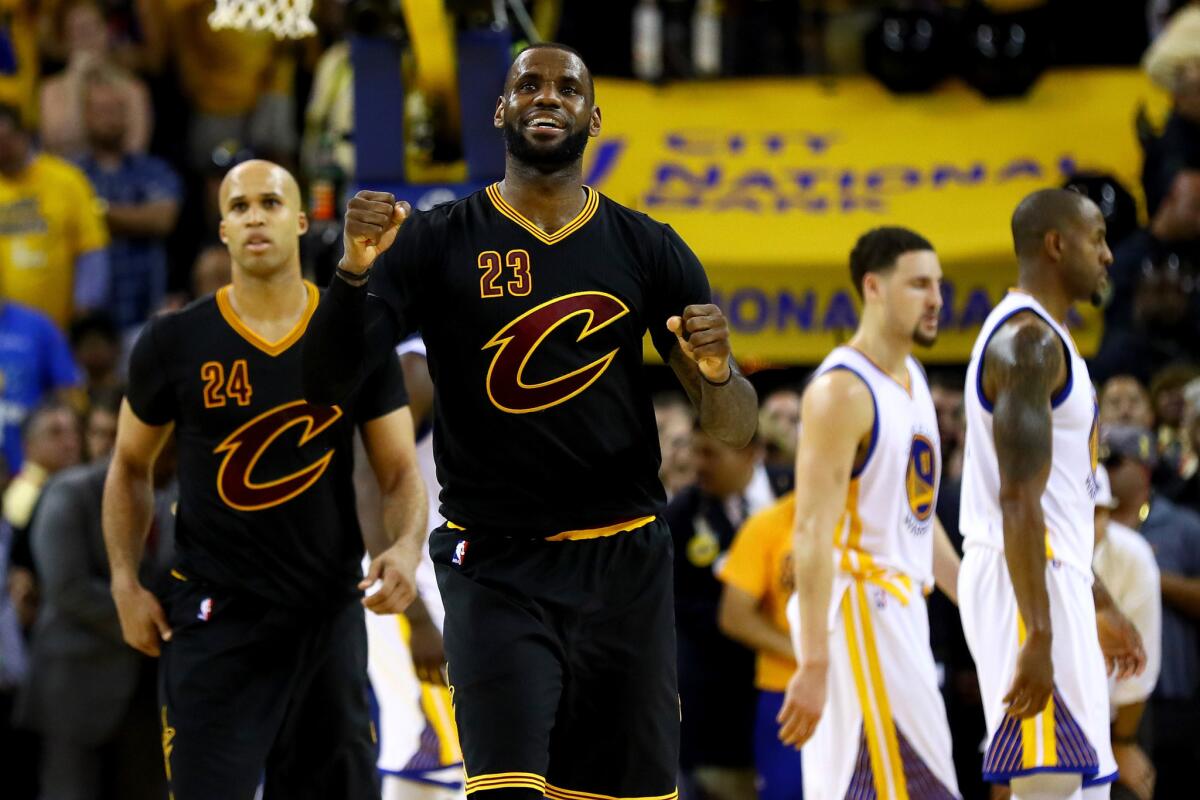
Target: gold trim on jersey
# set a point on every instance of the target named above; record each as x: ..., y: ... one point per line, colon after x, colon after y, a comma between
x: 883, y: 747
x: 555, y: 793
x: 586, y: 533
x: 506, y: 780
x: 270, y: 348
x: 589, y: 209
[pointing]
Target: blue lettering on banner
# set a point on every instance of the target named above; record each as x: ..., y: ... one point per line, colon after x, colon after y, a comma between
x: 752, y: 309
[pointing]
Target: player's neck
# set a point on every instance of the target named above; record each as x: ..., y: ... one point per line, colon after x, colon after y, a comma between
x: 269, y: 305
x: 1049, y: 295
x: 549, y: 201
x: 888, y: 353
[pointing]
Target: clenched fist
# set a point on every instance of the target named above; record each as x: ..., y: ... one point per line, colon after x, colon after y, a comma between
x: 372, y: 221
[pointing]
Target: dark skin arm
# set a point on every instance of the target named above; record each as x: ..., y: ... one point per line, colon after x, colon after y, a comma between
x: 1181, y: 593
x: 1023, y: 366
x: 703, y: 362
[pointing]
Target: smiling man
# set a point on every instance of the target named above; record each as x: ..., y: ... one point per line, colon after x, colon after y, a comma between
x: 263, y: 672
x: 533, y: 297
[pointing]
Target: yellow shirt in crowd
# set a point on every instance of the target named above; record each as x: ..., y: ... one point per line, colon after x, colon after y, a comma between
x: 49, y: 216
x: 760, y: 564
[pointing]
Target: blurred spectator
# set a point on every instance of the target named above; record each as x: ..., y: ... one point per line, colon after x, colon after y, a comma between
x: 1125, y: 401
x: 96, y: 345
x: 239, y: 86
x: 35, y: 362
x: 675, y: 419
x: 779, y: 427
x: 141, y: 195
x: 100, y: 424
x: 134, y: 33
x: 52, y: 441
x: 1125, y: 562
x: 52, y: 234
x: 329, y: 116
x: 20, y: 748
x: 947, y: 391
x: 1173, y: 62
x: 1185, y: 489
x: 716, y: 674
x: 759, y: 578
x: 63, y: 96
x: 1153, y: 318
x: 1166, y: 397
x: 92, y: 698
x: 212, y: 270
x: 1174, y: 534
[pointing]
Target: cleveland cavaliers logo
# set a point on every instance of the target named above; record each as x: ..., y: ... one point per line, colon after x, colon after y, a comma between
x: 245, y: 446
x: 518, y: 342
x: 921, y: 480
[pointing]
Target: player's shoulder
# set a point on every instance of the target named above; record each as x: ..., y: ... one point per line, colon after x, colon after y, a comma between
x: 616, y: 213
x: 1025, y: 341
x: 171, y: 326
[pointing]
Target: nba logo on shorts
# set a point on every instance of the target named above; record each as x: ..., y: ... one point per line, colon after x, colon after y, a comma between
x: 460, y: 552
x: 205, y: 609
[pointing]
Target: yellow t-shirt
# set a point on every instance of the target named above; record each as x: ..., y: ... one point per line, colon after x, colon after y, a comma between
x: 48, y: 217
x: 760, y: 564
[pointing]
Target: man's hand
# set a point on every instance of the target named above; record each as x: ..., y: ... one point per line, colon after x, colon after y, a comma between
x: 143, y: 621
x: 1134, y: 769
x: 703, y: 337
x: 1034, y: 679
x: 372, y: 221
x: 428, y: 654
x: 803, y: 704
x: 398, y: 572
x: 1121, y: 643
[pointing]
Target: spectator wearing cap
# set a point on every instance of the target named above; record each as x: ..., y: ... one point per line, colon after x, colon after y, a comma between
x: 1153, y: 318
x: 1174, y: 534
x: 1125, y: 401
x: 1124, y: 561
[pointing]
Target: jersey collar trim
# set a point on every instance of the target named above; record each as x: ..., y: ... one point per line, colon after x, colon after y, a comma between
x: 589, y: 209
x: 270, y: 348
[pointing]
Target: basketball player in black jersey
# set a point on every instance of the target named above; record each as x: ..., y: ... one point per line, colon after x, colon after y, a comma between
x: 263, y: 647
x: 533, y: 297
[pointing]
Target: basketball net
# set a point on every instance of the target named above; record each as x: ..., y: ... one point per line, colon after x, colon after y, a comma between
x: 287, y: 19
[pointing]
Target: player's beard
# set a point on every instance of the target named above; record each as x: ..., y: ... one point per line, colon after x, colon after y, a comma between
x: 543, y: 159
x: 923, y: 339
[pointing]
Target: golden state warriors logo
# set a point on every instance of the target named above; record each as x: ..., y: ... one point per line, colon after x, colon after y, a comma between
x: 518, y: 341
x: 920, y: 482
x: 245, y: 446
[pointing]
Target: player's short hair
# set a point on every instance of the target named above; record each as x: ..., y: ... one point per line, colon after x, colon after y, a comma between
x: 1041, y: 212
x: 878, y: 249
x: 566, y: 48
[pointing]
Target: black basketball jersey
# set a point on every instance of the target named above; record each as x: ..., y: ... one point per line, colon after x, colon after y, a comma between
x: 543, y: 419
x: 266, y: 500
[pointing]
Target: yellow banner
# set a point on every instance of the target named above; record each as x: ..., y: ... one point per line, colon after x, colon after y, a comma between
x: 772, y: 181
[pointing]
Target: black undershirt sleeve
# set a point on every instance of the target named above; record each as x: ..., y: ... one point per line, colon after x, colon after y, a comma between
x: 348, y: 337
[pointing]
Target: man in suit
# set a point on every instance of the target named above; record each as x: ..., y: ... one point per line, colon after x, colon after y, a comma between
x: 91, y: 696
x: 716, y: 674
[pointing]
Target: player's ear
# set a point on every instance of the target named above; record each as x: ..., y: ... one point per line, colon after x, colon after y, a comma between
x: 221, y: 232
x: 498, y: 117
x: 302, y: 223
x: 594, y: 122
x: 1053, y: 243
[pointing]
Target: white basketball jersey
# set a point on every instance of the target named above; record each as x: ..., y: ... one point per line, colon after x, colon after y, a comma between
x: 1068, y: 503
x: 888, y: 521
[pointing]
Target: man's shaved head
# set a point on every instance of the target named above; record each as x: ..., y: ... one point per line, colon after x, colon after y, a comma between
x: 256, y: 176
x: 1041, y: 212
x: 514, y: 68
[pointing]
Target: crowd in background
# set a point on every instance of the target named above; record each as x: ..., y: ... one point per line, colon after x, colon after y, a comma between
x: 117, y: 120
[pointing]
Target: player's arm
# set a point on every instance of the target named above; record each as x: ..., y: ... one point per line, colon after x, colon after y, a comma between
x: 703, y: 363
x: 420, y: 387
x: 1119, y: 639
x: 425, y: 644
x: 127, y: 512
x: 945, y: 562
x: 349, y: 336
x: 838, y: 413
x: 1023, y: 365
x: 390, y: 448
x: 740, y: 617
